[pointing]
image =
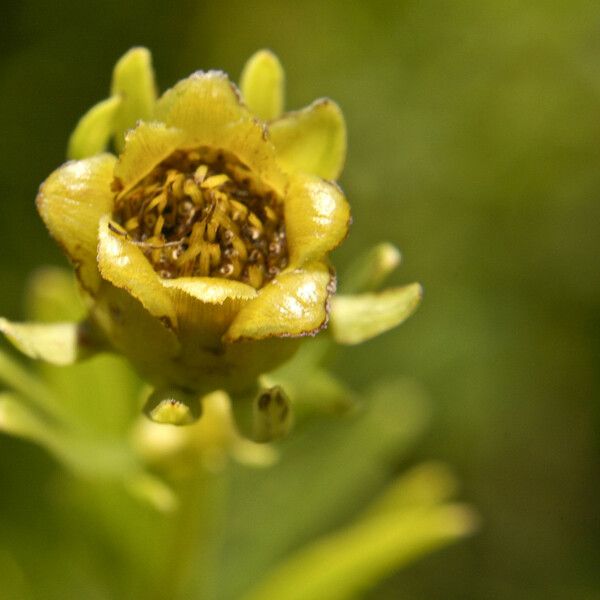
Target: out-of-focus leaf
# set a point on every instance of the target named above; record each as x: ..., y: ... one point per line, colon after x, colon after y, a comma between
x: 326, y: 470
x: 370, y: 270
x: 100, y: 394
x: 52, y: 296
x: 17, y: 419
x: 427, y: 484
x: 57, y: 343
x: 342, y: 565
x: 17, y: 378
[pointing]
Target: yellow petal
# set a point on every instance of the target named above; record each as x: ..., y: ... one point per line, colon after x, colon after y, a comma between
x: 355, y: 319
x: 71, y: 202
x: 123, y: 264
x: 317, y: 217
x: 94, y: 130
x: 206, y: 306
x: 145, y: 146
x: 312, y: 140
x: 208, y: 108
x: 294, y: 304
x: 262, y: 85
x: 212, y: 290
x: 133, y: 82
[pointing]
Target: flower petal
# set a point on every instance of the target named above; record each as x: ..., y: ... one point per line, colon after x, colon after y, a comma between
x: 94, y: 130
x: 206, y: 306
x: 145, y: 146
x: 207, y: 106
x: 317, y: 217
x: 294, y: 304
x: 133, y: 82
x: 262, y: 85
x: 355, y: 319
x: 71, y: 202
x: 56, y: 343
x: 212, y: 290
x: 123, y: 264
x: 312, y: 140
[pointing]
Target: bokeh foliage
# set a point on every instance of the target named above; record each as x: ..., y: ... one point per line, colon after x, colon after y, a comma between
x: 473, y: 136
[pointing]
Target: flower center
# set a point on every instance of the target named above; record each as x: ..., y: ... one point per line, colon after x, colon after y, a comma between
x: 202, y: 213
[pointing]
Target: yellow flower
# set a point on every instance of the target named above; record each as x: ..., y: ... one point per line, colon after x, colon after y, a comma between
x: 202, y: 247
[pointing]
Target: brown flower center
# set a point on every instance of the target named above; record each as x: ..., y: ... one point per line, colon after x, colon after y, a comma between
x: 202, y: 213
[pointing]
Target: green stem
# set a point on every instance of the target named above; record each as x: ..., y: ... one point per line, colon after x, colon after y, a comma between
x: 190, y: 566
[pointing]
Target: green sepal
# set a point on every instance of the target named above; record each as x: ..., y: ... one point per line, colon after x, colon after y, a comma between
x: 94, y: 130
x: 56, y: 343
x: 133, y: 82
x: 262, y: 85
x: 357, y: 318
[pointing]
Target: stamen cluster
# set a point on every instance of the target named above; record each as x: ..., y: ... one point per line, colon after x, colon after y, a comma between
x: 202, y: 213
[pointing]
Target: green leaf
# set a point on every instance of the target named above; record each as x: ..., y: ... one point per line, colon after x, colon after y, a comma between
x: 262, y: 85
x: 371, y: 269
x: 17, y: 419
x: 94, y: 130
x: 327, y: 468
x: 52, y: 296
x: 133, y: 82
x: 357, y: 318
x: 18, y: 379
x: 56, y: 343
x: 343, y: 564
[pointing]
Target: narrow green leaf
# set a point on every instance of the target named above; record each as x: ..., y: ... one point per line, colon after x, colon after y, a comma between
x: 371, y: 269
x: 17, y: 419
x: 18, y: 379
x: 343, y: 564
x: 357, y: 318
x: 94, y: 130
x: 56, y: 343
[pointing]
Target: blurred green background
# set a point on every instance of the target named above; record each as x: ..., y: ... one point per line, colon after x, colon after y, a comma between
x: 474, y: 145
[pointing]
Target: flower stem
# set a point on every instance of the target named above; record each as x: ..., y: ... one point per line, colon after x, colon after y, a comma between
x: 190, y: 566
